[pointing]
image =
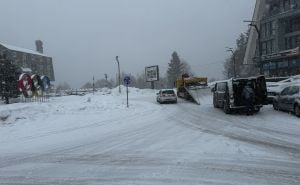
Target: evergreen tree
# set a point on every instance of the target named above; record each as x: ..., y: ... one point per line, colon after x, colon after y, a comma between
x: 174, y: 70
x: 9, y: 75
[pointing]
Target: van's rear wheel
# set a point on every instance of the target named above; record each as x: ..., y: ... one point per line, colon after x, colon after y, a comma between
x: 256, y: 109
x: 215, y: 103
x: 297, y: 110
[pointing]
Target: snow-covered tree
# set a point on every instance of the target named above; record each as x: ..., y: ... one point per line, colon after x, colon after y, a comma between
x: 62, y: 86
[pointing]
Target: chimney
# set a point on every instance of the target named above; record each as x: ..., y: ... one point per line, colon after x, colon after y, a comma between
x: 39, y: 46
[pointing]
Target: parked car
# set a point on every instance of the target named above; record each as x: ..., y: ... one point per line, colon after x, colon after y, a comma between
x: 227, y: 94
x: 288, y: 100
x: 274, y: 88
x: 166, y: 95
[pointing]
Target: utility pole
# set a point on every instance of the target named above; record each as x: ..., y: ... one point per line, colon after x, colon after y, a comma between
x: 93, y: 84
x: 233, y: 58
x: 105, y: 75
x: 119, y: 76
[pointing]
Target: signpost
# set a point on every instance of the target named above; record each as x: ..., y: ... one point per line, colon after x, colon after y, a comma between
x: 152, y: 74
x: 127, y: 82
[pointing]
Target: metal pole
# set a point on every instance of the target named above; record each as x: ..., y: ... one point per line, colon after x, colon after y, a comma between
x: 93, y: 85
x: 234, y: 70
x: 117, y: 58
x: 259, y: 51
x: 233, y: 59
x: 127, y: 95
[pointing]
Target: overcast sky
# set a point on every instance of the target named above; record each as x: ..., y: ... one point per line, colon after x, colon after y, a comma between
x: 84, y: 36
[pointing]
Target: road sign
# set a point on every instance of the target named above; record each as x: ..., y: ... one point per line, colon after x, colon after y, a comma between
x: 127, y: 80
x: 152, y: 73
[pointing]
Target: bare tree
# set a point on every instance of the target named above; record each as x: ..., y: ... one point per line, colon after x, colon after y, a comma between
x: 238, y: 56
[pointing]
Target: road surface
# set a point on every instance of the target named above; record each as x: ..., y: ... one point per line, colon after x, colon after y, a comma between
x: 172, y: 144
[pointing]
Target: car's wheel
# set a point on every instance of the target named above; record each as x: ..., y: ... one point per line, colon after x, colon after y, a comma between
x: 256, y: 109
x: 297, y: 110
x: 226, y: 108
x: 275, y: 105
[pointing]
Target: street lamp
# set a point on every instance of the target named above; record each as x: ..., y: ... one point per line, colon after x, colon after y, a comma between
x: 117, y: 59
x: 233, y: 58
x: 254, y: 24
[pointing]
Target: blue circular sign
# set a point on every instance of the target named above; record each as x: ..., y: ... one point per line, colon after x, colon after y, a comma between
x: 127, y: 80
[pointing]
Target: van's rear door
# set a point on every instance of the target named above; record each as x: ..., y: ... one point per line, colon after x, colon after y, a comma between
x: 261, y: 90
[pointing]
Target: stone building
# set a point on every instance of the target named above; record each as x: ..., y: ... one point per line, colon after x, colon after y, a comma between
x: 30, y: 61
x: 274, y: 46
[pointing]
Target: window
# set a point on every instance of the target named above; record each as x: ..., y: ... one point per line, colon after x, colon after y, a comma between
x: 268, y: 47
x: 267, y: 30
x: 283, y: 64
x: 294, y: 90
x: 273, y: 28
x: 266, y: 66
x: 293, y: 63
x: 288, y: 4
x: 221, y: 87
x: 272, y: 46
x: 292, y: 42
x: 264, y: 48
x: 285, y: 91
x: 273, y: 65
x: 168, y: 92
x: 262, y: 30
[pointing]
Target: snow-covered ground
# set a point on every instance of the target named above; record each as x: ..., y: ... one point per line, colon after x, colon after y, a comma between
x: 95, y: 139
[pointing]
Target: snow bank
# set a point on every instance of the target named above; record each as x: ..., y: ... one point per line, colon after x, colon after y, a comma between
x: 104, y: 100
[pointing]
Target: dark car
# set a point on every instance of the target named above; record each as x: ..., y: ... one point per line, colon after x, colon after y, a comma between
x: 288, y: 100
x: 227, y: 94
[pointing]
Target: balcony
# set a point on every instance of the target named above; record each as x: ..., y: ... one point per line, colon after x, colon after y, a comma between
x: 280, y: 12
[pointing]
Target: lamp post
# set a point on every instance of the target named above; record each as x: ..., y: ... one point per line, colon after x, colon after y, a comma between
x: 233, y: 58
x: 254, y: 24
x: 93, y: 84
x: 119, y: 75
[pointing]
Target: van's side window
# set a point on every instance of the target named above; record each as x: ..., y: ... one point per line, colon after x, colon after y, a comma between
x: 221, y: 87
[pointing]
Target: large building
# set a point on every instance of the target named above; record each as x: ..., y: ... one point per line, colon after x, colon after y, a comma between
x: 30, y: 61
x: 278, y: 35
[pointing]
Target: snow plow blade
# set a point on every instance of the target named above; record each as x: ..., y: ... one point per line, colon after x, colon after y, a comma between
x: 197, y: 92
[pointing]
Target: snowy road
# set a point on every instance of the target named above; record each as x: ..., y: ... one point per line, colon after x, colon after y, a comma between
x: 71, y: 140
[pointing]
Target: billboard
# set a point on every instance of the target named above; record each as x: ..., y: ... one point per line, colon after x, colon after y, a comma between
x: 152, y: 73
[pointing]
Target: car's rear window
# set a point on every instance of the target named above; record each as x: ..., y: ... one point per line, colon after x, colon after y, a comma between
x: 168, y: 92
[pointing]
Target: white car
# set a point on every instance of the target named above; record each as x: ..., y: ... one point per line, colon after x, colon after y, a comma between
x: 274, y: 88
x: 166, y: 96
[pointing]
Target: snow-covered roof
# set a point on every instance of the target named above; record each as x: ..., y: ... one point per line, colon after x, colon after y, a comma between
x: 15, y: 48
x: 26, y: 70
